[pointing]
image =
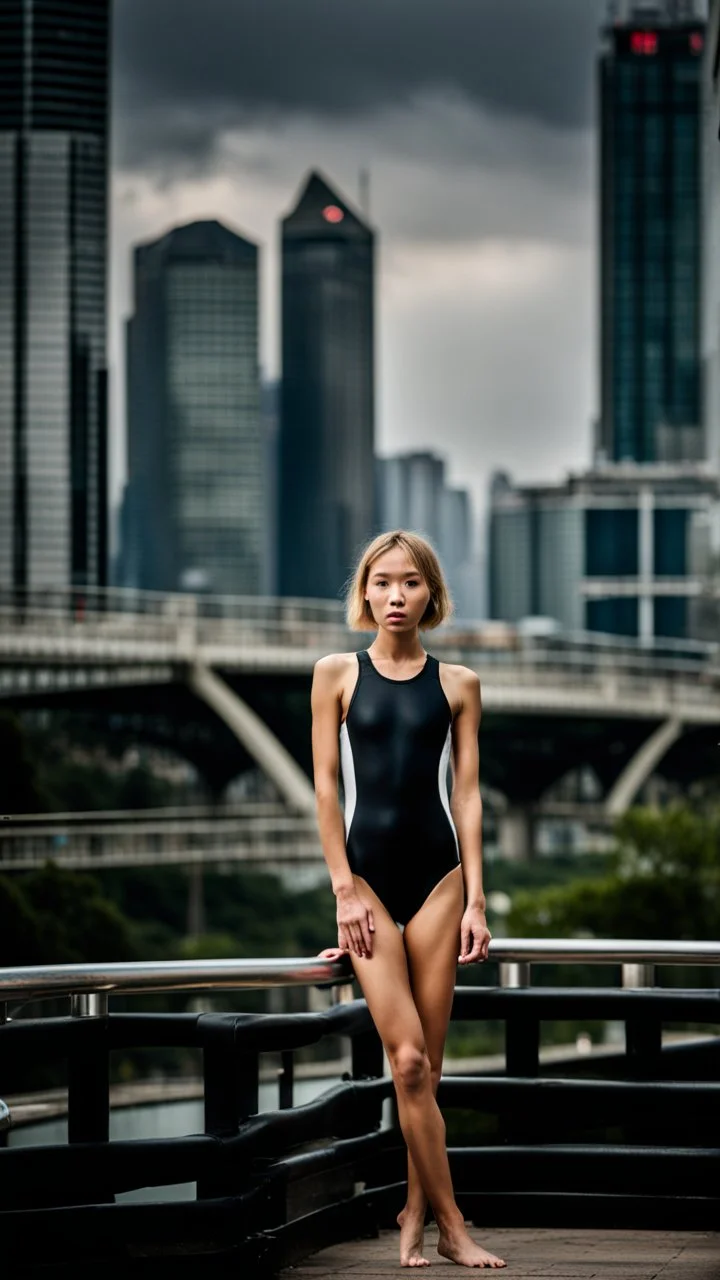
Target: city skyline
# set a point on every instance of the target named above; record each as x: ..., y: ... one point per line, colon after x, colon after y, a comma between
x: 482, y: 191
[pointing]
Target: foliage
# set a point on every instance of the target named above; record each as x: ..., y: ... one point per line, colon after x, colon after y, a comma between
x: 53, y: 916
x: 21, y: 789
x: 663, y: 881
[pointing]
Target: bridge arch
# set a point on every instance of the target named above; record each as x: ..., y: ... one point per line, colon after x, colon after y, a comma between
x: 643, y: 763
x: 259, y: 742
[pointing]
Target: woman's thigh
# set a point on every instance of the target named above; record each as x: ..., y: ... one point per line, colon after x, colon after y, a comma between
x: 432, y: 945
x: 384, y: 978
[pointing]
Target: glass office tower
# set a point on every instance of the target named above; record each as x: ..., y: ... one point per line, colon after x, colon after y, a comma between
x: 197, y: 494
x: 711, y: 235
x: 620, y: 550
x: 650, y: 205
x: 326, y: 472
x: 54, y: 71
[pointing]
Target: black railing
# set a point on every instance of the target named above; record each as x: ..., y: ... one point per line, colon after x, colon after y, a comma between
x: 630, y: 1138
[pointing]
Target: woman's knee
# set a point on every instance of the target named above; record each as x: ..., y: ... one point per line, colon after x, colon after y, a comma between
x: 410, y: 1066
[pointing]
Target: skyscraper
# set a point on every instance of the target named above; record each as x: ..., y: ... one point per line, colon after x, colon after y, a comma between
x: 623, y: 550
x: 54, y: 69
x: 711, y: 234
x: 650, y: 210
x: 195, y: 501
x: 327, y: 396
x: 411, y: 493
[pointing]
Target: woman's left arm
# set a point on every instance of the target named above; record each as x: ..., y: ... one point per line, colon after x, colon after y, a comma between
x: 466, y: 809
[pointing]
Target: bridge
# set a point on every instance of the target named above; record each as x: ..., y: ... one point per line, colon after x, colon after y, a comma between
x: 226, y: 682
x: 573, y: 1151
x: 256, y: 835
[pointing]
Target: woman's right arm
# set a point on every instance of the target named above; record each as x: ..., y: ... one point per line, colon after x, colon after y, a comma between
x: 354, y: 919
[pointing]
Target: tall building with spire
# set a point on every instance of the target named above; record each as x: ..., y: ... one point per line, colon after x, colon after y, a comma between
x: 54, y: 74
x: 326, y: 468
x: 650, y: 228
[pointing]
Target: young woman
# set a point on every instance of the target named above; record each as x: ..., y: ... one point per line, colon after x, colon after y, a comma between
x: 391, y: 718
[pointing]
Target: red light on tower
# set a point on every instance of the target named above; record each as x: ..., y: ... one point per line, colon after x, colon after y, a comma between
x: 696, y: 42
x: 644, y: 42
x: 331, y: 213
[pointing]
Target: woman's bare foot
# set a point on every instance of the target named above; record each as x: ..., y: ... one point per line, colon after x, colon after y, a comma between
x: 457, y: 1245
x: 411, y: 1239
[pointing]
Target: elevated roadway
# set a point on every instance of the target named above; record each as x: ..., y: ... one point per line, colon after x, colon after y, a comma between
x: 238, y: 672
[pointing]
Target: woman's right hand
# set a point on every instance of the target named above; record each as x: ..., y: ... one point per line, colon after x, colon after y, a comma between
x: 355, y: 923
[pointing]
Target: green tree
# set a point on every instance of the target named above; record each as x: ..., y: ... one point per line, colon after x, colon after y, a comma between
x: 20, y: 938
x: 663, y: 882
x: 76, y: 923
x: 21, y: 790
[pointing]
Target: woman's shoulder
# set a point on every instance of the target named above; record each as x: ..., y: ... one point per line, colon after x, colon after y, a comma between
x: 456, y: 671
x: 335, y: 663
x: 462, y: 681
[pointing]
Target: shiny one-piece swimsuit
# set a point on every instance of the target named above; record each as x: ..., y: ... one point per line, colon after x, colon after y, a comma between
x: 395, y: 745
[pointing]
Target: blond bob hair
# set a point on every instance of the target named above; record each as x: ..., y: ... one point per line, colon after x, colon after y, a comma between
x: 423, y: 556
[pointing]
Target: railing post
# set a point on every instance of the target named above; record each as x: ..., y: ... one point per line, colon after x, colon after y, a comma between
x: 89, y: 1070
x: 643, y: 1033
x: 514, y: 973
x: 522, y: 1035
x: 367, y: 1055
x: 286, y: 1080
x: 638, y: 975
x: 232, y: 1089
x: 5, y: 1122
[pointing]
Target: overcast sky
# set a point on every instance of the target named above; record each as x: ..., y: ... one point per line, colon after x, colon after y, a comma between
x: 476, y: 120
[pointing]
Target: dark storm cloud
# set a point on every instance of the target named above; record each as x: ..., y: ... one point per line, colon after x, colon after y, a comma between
x: 185, y: 69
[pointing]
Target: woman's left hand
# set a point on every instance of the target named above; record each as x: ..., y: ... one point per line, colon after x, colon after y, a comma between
x: 474, y: 936
x: 332, y: 953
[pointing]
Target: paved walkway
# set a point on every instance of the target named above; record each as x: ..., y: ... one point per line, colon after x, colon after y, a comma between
x: 551, y: 1254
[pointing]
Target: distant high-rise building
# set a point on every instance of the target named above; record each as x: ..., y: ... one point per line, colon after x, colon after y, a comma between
x: 455, y: 525
x: 327, y: 396
x: 623, y: 550
x: 196, y: 493
x: 650, y: 216
x: 270, y: 419
x: 711, y: 236
x: 412, y: 494
x: 54, y: 69
x: 411, y: 486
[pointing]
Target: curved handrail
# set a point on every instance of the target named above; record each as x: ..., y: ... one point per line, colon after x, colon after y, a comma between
x: 136, y: 978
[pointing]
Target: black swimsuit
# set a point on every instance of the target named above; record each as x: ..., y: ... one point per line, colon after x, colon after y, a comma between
x: 395, y: 745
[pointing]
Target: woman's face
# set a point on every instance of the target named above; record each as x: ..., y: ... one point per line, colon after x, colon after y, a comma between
x: 394, y: 584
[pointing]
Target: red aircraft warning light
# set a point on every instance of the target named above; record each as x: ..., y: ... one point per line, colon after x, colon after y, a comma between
x: 645, y: 42
x: 331, y: 213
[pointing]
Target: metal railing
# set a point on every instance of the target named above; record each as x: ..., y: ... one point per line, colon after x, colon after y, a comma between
x: 514, y: 956
x: 181, y: 623
x: 635, y: 1143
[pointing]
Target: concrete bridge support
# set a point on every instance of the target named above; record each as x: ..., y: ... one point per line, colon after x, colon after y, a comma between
x: 516, y: 832
x: 272, y: 757
x: 638, y: 770
x: 196, y: 921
